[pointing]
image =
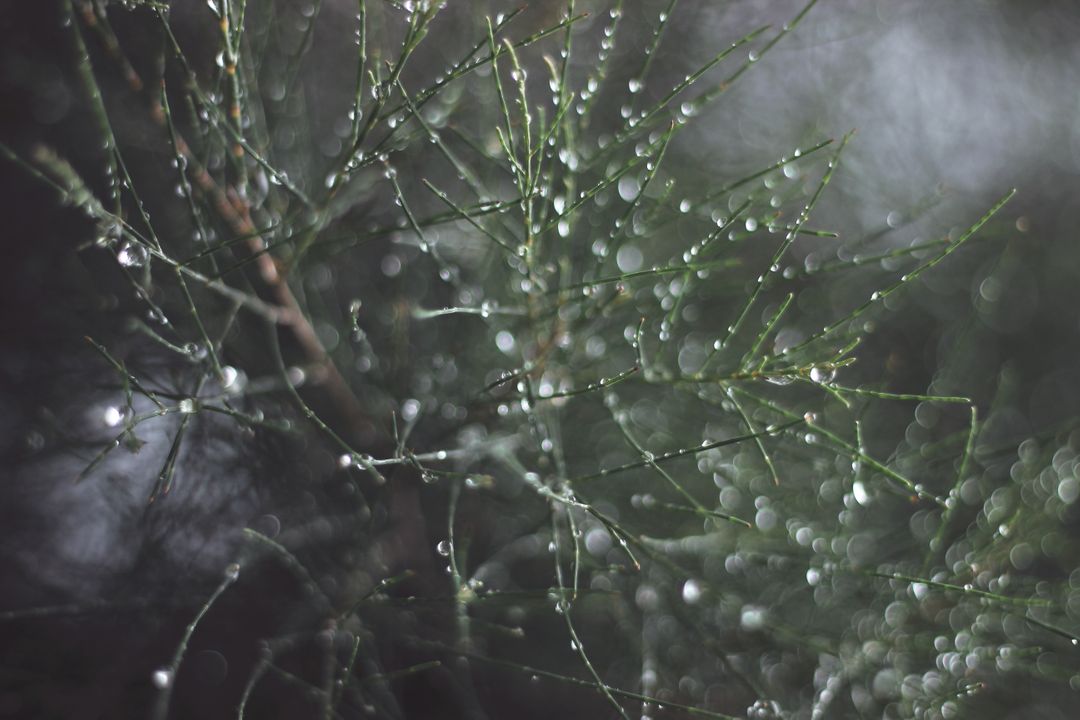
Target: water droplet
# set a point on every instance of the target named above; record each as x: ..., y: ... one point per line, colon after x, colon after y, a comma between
x: 113, y: 416
x: 752, y: 617
x: 629, y: 258
x: 505, y: 341
x: 635, y: 85
x: 232, y: 571
x: 188, y: 406
x: 296, y: 376
x: 132, y: 255
x: 232, y: 380
x: 196, y: 351
x: 858, y: 489
x: 691, y: 591
x: 443, y: 548
x: 162, y: 678
x: 629, y: 187
x: 822, y: 374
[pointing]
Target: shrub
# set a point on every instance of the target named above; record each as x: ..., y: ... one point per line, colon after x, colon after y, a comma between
x: 412, y: 354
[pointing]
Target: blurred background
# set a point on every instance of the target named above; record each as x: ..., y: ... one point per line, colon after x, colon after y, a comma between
x: 953, y: 105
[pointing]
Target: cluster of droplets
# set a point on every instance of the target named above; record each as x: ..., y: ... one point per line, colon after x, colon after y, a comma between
x: 764, y: 710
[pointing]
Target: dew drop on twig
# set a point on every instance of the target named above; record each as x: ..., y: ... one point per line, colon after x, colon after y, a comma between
x: 162, y: 678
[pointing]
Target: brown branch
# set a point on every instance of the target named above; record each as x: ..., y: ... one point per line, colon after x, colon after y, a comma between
x: 235, y: 211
